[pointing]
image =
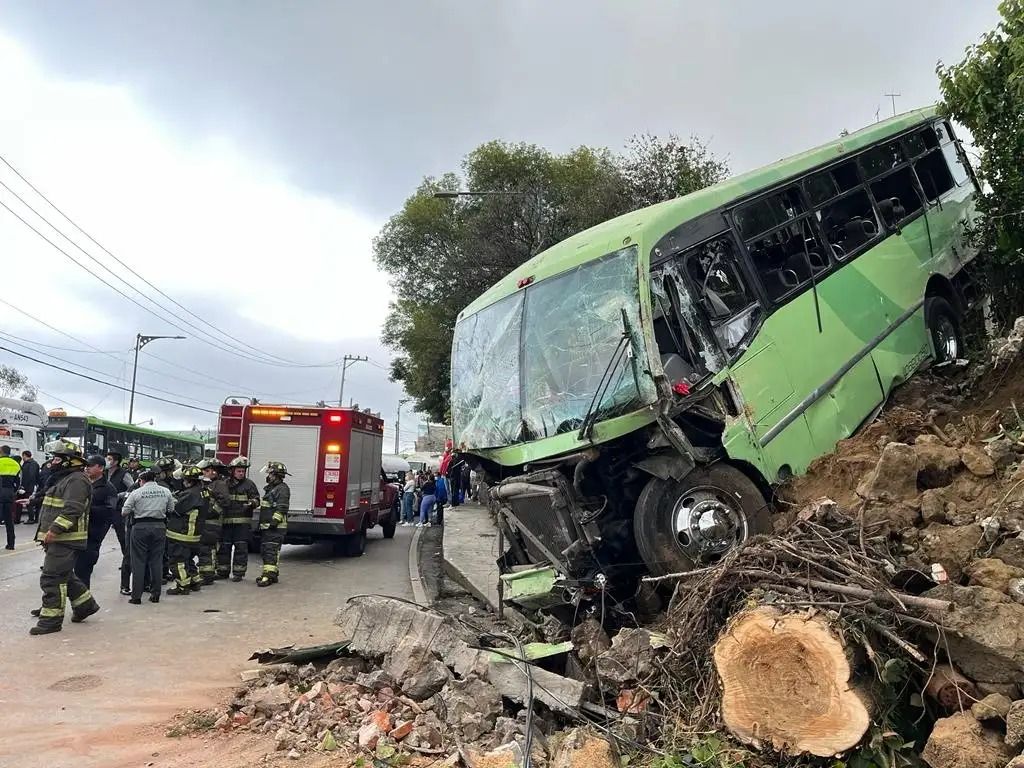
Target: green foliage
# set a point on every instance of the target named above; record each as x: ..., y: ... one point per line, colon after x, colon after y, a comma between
x: 442, y: 253
x: 985, y: 93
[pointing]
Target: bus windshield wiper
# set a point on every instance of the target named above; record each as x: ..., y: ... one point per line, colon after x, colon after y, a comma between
x: 622, y: 348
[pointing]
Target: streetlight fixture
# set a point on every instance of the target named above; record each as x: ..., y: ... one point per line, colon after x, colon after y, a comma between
x: 141, y: 341
x: 398, y: 420
x: 140, y: 423
x: 347, y: 362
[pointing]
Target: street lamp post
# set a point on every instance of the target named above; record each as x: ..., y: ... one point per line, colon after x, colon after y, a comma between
x: 398, y: 420
x: 140, y: 342
x: 346, y: 362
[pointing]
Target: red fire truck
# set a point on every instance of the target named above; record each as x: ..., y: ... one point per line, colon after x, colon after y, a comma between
x: 338, y: 491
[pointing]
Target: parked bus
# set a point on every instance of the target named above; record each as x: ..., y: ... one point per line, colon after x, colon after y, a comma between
x: 96, y: 435
x: 675, y: 362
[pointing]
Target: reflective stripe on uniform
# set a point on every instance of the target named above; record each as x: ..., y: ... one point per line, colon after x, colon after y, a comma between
x: 193, y: 516
x: 270, y: 569
x: 63, y: 596
x: 53, y: 501
x: 72, y: 536
x: 237, y: 520
x: 82, y: 598
x: 63, y: 522
x: 51, y: 613
x: 280, y: 519
x: 239, y: 497
x: 183, y: 577
x: 183, y: 537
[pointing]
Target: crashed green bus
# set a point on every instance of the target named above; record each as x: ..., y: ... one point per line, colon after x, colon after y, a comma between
x: 633, y: 393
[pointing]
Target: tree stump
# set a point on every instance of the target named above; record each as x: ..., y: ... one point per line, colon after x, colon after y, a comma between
x: 786, y: 684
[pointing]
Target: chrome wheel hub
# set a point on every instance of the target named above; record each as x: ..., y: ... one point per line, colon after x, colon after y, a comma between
x: 944, y: 338
x: 708, y: 523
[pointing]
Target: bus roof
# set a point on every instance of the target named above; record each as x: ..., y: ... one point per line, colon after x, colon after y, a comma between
x: 656, y: 220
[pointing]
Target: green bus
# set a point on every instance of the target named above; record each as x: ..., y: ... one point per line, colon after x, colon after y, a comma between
x: 97, y: 436
x: 638, y: 388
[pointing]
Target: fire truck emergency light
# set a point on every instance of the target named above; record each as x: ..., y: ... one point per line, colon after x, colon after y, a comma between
x: 335, y: 417
x: 333, y: 448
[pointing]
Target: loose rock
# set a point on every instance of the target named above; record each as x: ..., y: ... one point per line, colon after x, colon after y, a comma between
x: 894, y: 477
x: 992, y: 707
x: 993, y: 573
x: 936, y: 462
x: 590, y: 640
x: 1015, y: 725
x: 960, y: 741
x: 977, y: 461
x: 629, y: 658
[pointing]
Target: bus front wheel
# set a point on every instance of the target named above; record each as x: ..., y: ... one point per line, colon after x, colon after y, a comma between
x: 687, y: 524
x: 943, y: 329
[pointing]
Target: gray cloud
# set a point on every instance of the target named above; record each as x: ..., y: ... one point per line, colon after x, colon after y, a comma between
x: 360, y: 100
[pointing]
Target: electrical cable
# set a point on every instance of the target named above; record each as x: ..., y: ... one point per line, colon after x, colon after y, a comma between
x: 200, y: 336
x: 121, y: 263
x: 107, y: 383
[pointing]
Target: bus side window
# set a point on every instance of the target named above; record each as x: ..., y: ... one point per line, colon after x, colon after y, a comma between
x: 714, y: 270
x: 843, y: 208
x: 787, y: 258
x: 931, y: 166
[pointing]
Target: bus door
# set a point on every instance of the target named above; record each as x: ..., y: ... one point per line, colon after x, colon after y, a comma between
x: 815, y: 329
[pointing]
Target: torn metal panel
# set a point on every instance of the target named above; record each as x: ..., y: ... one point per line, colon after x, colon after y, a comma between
x: 531, y: 588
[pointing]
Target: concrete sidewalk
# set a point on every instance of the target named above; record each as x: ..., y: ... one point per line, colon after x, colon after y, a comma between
x: 471, y: 551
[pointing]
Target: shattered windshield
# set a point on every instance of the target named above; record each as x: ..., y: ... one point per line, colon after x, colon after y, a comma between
x: 577, y: 337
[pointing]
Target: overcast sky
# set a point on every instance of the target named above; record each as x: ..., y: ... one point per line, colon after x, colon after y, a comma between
x: 241, y: 154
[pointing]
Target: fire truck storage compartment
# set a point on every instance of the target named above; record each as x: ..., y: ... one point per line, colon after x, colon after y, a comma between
x: 364, y: 468
x: 298, y: 448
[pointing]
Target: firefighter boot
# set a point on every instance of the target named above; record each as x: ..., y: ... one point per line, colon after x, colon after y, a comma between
x: 44, y: 629
x: 83, y: 612
x: 179, y: 590
x: 266, y: 579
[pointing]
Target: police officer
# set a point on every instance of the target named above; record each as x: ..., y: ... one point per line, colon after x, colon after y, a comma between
x: 243, y: 498
x: 63, y: 530
x: 10, y: 480
x: 216, y: 489
x: 184, y: 531
x: 273, y: 521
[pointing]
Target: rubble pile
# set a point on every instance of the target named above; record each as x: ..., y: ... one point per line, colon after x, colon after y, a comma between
x: 418, y: 682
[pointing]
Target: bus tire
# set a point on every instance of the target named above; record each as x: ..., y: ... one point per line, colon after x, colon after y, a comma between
x: 686, y: 524
x: 944, y: 332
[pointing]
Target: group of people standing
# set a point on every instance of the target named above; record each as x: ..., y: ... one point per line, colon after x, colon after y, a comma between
x: 425, y: 494
x: 189, y: 525
x: 19, y: 478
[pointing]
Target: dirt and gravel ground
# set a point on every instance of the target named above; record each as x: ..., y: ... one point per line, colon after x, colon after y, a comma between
x: 101, y: 694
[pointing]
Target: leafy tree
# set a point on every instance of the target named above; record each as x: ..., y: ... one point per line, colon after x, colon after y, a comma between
x: 985, y: 93
x: 13, y: 382
x: 441, y: 253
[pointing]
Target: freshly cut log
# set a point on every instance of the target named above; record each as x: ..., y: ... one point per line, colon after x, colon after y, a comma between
x: 786, y: 684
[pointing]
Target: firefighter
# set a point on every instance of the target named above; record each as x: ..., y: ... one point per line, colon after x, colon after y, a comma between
x: 273, y: 521
x: 166, y: 466
x: 216, y: 490
x: 63, y: 531
x: 243, y: 498
x: 184, y: 531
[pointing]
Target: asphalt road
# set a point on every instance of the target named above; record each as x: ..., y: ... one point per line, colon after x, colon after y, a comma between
x: 98, y: 693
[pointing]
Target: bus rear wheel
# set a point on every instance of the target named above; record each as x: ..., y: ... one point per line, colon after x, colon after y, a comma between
x: 943, y: 325
x: 687, y: 524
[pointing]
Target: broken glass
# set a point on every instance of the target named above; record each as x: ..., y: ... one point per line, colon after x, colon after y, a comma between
x: 572, y: 332
x: 485, y: 375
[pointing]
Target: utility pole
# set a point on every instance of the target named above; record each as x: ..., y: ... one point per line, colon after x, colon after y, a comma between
x: 140, y: 342
x: 346, y: 362
x: 893, y: 97
x: 398, y: 421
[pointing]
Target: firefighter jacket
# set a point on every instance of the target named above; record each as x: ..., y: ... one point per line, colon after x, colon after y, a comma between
x: 170, y: 482
x: 277, y: 498
x: 243, y: 498
x: 218, y: 500
x: 65, y: 509
x: 185, y: 524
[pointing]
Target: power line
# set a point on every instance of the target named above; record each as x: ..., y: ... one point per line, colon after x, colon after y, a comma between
x: 107, y: 383
x: 55, y: 329
x: 201, y: 333
x: 123, y: 264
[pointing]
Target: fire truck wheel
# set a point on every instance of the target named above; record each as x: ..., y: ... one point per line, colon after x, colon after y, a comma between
x: 388, y: 526
x: 353, y: 545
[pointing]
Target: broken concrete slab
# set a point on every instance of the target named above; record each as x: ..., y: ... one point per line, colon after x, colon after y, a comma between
x: 562, y: 694
x: 629, y: 658
x: 472, y: 706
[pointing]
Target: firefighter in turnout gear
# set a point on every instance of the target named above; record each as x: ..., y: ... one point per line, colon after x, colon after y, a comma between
x: 165, y: 467
x: 216, y: 490
x: 273, y: 521
x: 243, y: 498
x: 184, y: 530
x: 63, y: 531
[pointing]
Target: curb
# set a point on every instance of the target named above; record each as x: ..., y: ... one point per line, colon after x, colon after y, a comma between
x: 453, y: 572
x: 419, y: 594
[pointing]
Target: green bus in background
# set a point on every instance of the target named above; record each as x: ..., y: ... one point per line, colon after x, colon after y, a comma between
x: 97, y: 436
x: 639, y: 387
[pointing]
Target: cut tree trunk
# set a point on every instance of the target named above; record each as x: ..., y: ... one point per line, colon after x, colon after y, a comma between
x: 786, y: 684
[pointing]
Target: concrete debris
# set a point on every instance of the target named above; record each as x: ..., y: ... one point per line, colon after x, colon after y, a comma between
x: 894, y: 478
x: 977, y: 461
x: 590, y: 640
x: 472, y: 706
x: 561, y: 694
x: 1015, y: 725
x: 992, y: 707
x: 630, y: 657
x: 960, y: 741
x: 582, y: 748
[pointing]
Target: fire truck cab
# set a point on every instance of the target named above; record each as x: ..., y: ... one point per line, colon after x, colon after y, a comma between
x: 338, y: 491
